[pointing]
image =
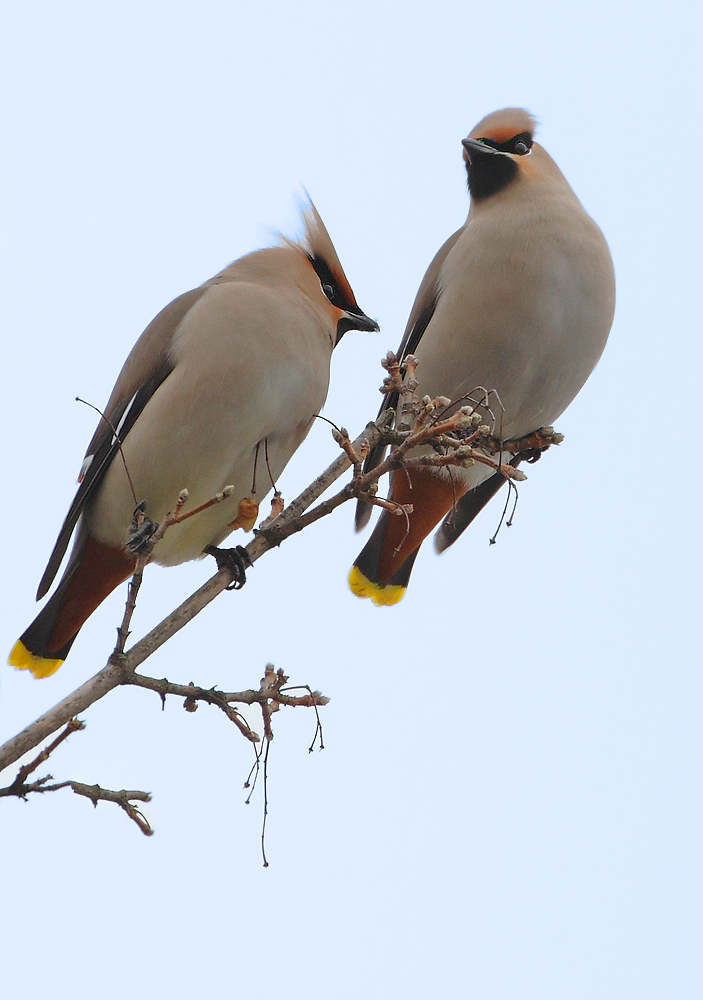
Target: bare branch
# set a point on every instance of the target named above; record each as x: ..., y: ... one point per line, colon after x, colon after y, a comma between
x: 460, y: 438
x: 122, y: 798
x: 21, y: 789
x: 74, y: 726
x: 269, y: 696
x: 97, y: 794
x: 212, y: 696
x: 80, y: 699
x: 121, y: 666
x: 132, y: 591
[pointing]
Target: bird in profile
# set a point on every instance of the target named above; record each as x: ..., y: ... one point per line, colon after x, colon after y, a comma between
x: 520, y: 300
x: 220, y: 390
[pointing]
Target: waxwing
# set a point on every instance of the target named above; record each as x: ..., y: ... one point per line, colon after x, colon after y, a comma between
x: 520, y: 300
x: 219, y: 390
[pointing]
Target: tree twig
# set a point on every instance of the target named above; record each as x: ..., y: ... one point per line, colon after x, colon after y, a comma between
x: 122, y: 666
x: 20, y: 788
x: 430, y: 424
x: 74, y: 726
x: 269, y: 697
x: 95, y: 793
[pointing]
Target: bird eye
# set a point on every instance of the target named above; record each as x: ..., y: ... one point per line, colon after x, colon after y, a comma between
x: 521, y: 148
x: 328, y: 290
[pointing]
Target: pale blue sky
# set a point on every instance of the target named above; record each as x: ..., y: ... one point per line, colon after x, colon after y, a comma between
x: 508, y: 805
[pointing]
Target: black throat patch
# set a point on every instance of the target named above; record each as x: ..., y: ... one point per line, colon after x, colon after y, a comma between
x: 489, y: 172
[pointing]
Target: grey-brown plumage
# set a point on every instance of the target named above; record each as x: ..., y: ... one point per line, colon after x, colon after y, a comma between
x: 220, y: 390
x: 520, y: 300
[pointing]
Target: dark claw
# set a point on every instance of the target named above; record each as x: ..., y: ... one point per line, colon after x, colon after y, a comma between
x: 236, y: 560
x: 140, y: 530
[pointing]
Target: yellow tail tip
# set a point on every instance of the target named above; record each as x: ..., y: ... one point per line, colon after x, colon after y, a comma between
x: 381, y: 596
x: 39, y: 666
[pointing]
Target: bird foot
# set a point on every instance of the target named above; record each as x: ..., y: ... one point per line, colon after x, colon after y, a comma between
x: 236, y: 560
x: 140, y: 531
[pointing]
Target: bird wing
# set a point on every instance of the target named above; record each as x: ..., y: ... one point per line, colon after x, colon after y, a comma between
x: 147, y: 366
x: 468, y: 507
x: 418, y: 321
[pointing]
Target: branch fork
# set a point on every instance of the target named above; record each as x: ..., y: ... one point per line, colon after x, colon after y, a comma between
x: 460, y: 439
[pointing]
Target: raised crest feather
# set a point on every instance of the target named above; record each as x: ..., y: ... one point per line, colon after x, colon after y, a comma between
x: 317, y: 245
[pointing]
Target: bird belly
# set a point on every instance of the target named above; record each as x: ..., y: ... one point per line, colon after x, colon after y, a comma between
x: 528, y: 330
x: 183, y: 441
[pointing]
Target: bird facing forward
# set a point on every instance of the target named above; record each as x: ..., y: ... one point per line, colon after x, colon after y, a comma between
x: 219, y: 390
x: 520, y: 300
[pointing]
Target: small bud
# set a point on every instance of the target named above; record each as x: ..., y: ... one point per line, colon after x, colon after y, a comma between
x: 463, y: 456
x: 183, y: 496
x: 548, y: 431
x: 484, y: 429
x: 443, y: 402
x: 228, y: 491
x: 475, y: 419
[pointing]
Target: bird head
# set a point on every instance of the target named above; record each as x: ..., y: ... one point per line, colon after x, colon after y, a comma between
x: 496, y: 151
x: 319, y: 249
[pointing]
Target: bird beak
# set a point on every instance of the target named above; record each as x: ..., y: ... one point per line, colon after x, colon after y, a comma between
x: 473, y: 146
x: 355, y: 320
x: 363, y: 322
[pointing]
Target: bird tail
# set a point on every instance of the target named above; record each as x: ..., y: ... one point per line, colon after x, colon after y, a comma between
x: 94, y: 571
x: 364, y: 576
x: 383, y: 567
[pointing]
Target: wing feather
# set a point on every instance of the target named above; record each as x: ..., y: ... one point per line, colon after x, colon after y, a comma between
x: 148, y: 365
x: 420, y: 317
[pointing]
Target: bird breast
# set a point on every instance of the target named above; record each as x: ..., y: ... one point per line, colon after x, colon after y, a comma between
x: 524, y: 307
x: 252, y: 369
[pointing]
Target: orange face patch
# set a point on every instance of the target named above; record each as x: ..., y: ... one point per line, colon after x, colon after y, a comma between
x: 496, y: 133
